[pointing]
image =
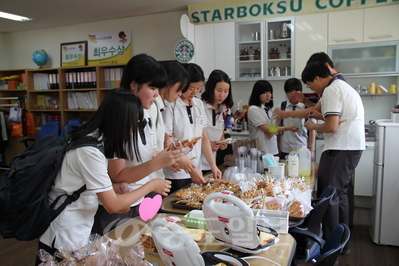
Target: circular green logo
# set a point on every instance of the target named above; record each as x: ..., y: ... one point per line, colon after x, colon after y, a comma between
x: 184, y: 51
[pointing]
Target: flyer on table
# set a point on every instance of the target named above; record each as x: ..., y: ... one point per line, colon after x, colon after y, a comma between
x: 109, y: 48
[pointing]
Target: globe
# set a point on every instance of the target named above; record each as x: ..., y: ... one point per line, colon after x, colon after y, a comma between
x: 40, y: 58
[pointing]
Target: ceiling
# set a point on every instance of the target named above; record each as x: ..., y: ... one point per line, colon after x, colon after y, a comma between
x: 55, y: 13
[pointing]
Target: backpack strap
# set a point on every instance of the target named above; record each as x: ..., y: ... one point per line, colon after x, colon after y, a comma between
x: 81, y: 142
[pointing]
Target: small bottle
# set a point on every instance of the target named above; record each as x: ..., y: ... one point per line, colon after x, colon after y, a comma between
x: 305, y: 162
x: 293, y: 163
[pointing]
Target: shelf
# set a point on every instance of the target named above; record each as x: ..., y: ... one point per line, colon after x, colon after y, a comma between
x: 280, y: 40
x: 378, y: 95
x: 250, y: 42
x: 280, y: 60
x: 250, y: 61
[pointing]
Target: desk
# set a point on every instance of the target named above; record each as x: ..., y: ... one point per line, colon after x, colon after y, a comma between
x: 168, y: 208
x: 130, y: 233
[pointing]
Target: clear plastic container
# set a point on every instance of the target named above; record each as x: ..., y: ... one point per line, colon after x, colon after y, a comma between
x: 305, y: 161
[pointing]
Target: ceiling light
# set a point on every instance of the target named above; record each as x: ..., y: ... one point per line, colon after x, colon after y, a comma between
x: 13, y: 17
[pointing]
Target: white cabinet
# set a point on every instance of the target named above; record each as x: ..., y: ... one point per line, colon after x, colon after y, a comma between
x: 265, y: 49
x: 366, y: 59
x: 345, y: 27
x: 381, y: 23
x: 364, y: 172
x: 249, y: 50
x: 309, y: 28
x: 279, y: 58
x: 214, y: 48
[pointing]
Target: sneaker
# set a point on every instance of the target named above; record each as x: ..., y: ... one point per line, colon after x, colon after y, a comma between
x: 346, y: 251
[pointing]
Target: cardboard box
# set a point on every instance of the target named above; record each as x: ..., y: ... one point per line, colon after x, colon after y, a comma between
x: 13, y: 84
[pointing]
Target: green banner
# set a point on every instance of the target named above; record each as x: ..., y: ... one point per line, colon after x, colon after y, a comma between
x: 241, y: 10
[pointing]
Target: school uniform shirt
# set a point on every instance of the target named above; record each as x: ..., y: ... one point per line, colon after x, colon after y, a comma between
x: 214, y: 128
x: 158, y: 124
x: 146, y: 153
x: 177, y: 121
x: 258, y: 116
x: 288, y: 139
x: 82, y: 166
x: 339, y: 98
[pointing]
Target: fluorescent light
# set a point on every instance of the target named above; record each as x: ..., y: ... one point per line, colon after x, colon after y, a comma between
x: 13, y: 17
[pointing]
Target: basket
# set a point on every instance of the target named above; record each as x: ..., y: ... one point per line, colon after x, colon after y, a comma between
x: 198, y: 222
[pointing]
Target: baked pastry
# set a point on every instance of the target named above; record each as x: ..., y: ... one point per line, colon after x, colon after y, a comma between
x: 265, y: 238
x: 295, y: 209
x: 273, y: 205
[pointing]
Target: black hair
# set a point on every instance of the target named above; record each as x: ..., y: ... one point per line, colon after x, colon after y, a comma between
x: 118, y: 105
x: 313, y: 70
x: 260, y: 87
x: 143, y: 69
x: 195, y: 72
x: 321, y: 57
x: 209, y: 94
x: 292, y: 84
x: 176, y: 73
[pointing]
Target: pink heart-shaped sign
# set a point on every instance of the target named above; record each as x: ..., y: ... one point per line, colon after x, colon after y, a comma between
x: 149, y: 207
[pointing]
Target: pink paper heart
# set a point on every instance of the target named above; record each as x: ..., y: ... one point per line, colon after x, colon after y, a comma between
x: 149, y: 207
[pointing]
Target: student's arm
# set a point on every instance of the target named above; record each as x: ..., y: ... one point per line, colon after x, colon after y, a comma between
x: 114, y: 203
x: 118, y: 171
x: 207, y: 151
x: 304, y: 113
x: 329, y: 126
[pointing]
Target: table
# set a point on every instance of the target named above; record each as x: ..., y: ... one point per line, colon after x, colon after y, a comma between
x: 130, y: 232
x: 168, y: 208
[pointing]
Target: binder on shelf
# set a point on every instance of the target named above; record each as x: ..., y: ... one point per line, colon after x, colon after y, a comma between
x: 107, y: 74
x: 41, y: 81
x: 112, y: 78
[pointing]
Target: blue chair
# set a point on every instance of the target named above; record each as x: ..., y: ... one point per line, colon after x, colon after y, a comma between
x: 48, y: 128
x: 330, y: 249
x: 307, y: 248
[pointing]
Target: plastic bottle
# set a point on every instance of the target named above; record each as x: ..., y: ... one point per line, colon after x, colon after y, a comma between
x: 305, y: 162
x: 293, y: 163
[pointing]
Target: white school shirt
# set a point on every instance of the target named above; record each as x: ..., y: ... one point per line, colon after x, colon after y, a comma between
x: 82, y: 166
x: 289, y: 139
x: 157, y: 121
x: 257, y: 117
x: 177, y: 121
x: 214, y: 131
x: 146, y: 153
x: 339, y: 98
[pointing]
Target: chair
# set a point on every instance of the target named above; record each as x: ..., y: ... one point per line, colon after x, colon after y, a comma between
x: 330, y: 249
x: 48, y: 128
x: 307, y: 248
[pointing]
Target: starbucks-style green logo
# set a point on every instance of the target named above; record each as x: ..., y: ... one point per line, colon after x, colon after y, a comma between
x: 184, y: 51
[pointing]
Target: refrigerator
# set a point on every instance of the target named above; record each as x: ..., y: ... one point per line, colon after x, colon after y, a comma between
x: 384, y: 224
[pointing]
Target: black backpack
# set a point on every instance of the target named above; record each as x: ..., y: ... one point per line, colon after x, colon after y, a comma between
x: 25, y: 213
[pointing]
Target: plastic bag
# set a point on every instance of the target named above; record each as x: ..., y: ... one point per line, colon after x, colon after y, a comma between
x: 17, y: 129
x: 15, y: 114
x: 30, y: 123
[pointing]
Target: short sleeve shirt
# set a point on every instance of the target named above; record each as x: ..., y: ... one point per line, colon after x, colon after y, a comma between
x: 258, y: 116
x: 177, y: 121
x: 81, y: 166
x: 339, y: 98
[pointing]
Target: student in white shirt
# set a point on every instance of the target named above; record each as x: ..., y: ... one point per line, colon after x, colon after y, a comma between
x: 143, y: 76
x: 177, y: 79
x: 342, y: 110
x: 218, y: 100
x: 185, y: 118
x: 260, y: 116
x: 302, y: 137
x: 88, y: 166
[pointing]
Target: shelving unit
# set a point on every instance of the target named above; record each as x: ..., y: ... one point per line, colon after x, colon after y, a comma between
x: 260, y: 55
x: 279, y: 47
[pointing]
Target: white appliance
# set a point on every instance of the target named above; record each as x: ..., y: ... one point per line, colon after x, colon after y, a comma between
x: 384, y: 227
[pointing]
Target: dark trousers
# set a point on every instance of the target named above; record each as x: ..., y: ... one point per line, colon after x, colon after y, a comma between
x: 178, y: 184
x: 336, y: 168
x: 105, y: 221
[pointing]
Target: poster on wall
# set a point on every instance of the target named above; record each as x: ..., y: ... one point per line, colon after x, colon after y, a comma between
x: 109, y: 48
x: 74, y: 54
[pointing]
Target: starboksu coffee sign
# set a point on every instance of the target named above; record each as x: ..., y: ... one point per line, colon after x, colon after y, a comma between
x: 241, y: 10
